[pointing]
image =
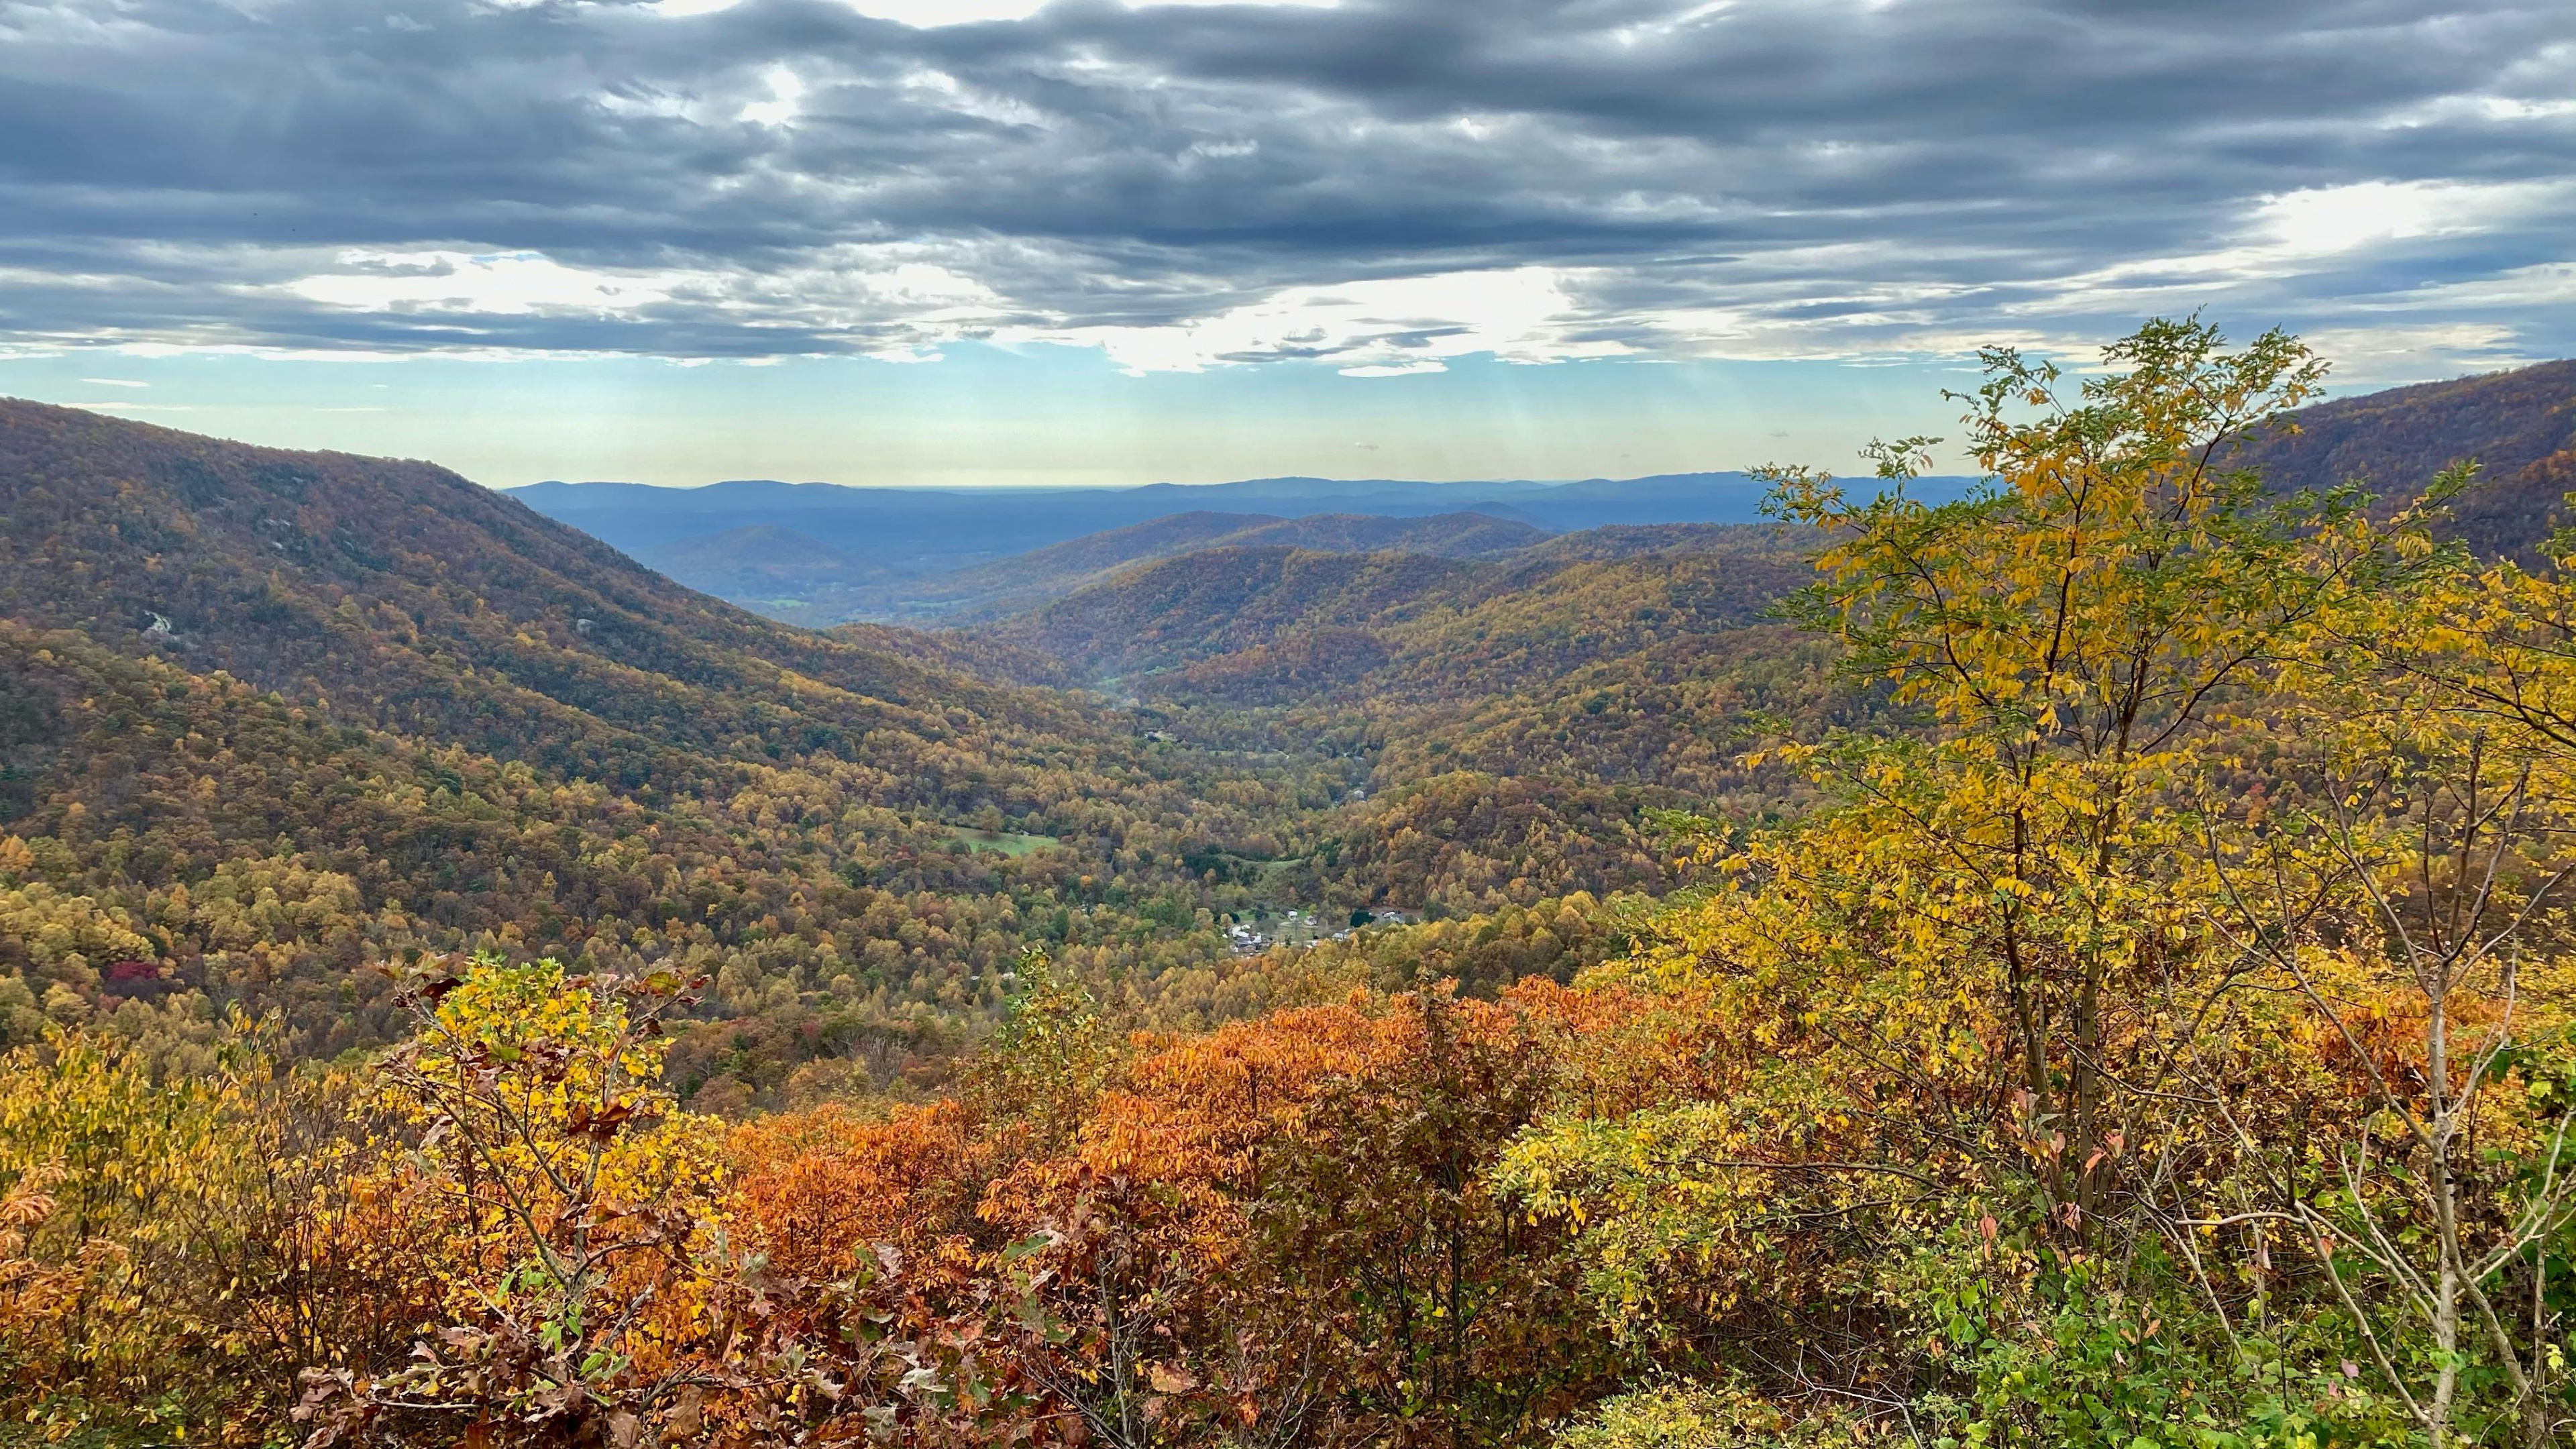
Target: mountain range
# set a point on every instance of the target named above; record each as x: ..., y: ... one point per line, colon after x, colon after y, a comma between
x: 266, y: 716
x: 1233, y: 900
x: 817, y: 553
x: 820, y: 554
x: 792, y: 577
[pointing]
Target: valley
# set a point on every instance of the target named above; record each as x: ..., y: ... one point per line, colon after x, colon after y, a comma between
x: 1287, y: 724
x: 818, y: 555
x: 1233, y: 914
x: 450, y: 724
x: 278, y: 716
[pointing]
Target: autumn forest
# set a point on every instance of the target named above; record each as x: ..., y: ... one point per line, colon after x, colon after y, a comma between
x: 2085, y: 960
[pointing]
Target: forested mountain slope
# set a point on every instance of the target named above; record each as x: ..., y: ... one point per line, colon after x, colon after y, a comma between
x: 1442, y: 535
x: 1630, y: 540
x: 1521, y: 717
x: 419, y: 601
x: 270, y: 716
x: 2519, y: 426
x: 1223, y: 599
x: 1025, y: 581
x: 1273, y: 626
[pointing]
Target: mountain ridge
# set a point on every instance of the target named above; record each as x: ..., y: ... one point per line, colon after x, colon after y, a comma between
x: 909, y: 564
x: 2519, y: 425
x: 931, y: 534
x: 1022, y: 581
x: 267, y: 717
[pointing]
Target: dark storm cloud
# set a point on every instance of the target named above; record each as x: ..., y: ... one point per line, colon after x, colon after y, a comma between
x: 1380, y: 183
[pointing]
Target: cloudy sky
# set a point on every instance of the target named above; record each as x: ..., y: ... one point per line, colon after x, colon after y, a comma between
x: 1002, y: 241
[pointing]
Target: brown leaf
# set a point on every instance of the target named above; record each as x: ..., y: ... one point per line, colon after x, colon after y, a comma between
x: 684, y: 1423
x: 600, y: 1125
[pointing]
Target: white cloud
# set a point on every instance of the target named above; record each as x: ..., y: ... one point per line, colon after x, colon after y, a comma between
x: 2551, y: 284
x: 1378, y: 328
x: 2288, y: 239
x: 945, y: 91
x: 2325, y: 221
x: 507, y: 284
x: 930, y: 14
x: 785, y: 92
x: 1219, y: 150
x: 2407, y: 353
x: 114, y: 382
x: 925, y: 14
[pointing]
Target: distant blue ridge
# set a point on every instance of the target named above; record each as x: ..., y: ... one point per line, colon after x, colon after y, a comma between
x: 896, y: 523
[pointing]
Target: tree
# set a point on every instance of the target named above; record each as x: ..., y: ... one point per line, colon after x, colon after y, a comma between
x: 2407, y: 889
x: 1938, y: 1043
x: 577, y: 1214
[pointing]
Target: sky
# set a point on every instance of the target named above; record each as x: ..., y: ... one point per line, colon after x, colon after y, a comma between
x: 968, y: 242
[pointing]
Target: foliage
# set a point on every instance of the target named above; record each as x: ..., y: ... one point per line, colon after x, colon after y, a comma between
x: 174, y: 1249
x: 2134, y: 1012
x: 395, y: 715
x: 1688, y: 1416
x: 2517, y: 424
x: 2108, y: 969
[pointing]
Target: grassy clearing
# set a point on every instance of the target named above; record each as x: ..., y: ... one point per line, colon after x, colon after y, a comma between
x: 1007, y: 842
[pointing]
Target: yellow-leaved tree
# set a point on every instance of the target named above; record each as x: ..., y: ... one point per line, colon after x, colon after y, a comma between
x: 571, y: 1211
x: 1938, y: 1138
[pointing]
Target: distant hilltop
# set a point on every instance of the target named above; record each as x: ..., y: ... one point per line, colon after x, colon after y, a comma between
x: 820, y: 553
x: 858, y: 519
x: 879, y: 535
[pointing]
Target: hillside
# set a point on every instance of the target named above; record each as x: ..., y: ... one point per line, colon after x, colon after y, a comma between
x: 1098, y: 553
x: 1026, y: 581
x: 2519, y: 426
x: 1220, y: 600
x: 418, y: 601
x: 391, y: 712
x: 1441, y: 535
x: 1635, y: 540
x: 1272, y: 625
x: 267, y: 717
